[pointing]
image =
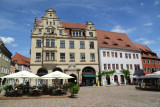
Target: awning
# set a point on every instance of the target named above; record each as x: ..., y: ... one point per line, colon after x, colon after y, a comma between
x: 92, y: 75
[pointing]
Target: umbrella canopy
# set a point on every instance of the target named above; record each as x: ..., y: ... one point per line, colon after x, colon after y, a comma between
x: 56, y: 75
x: 21, y: 74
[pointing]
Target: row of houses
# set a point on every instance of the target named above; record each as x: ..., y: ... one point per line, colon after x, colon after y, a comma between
x: 81, y: 50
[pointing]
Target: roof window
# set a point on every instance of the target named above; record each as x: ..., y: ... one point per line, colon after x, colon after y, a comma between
x: 115, y: 44
x: 128, y: 45
x: 120, y: 39
x: 107, y: 38
x: 105, y: 43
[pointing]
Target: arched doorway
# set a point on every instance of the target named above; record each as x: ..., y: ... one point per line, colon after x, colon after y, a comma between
x: 60, y: 81
x: 122, y: 79
x: 88, y: 76
x: 116, y: 79
x: 73, y: 80
x: 108, y: 80
x: 41, y: 72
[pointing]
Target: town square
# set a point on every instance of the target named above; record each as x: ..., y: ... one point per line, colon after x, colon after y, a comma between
x: 79, y: 53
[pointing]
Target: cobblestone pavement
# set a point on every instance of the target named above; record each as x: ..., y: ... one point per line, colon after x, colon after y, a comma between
x: 117, y: 96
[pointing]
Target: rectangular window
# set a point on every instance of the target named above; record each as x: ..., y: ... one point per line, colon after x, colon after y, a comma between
x: 109, y: 66
x: 76, y: 33
x: 137, y: 56
x: 62, y: 56
x: 104, y: 54
x: 105, y: 67
x: 52, y: 42
x: 135, y: 66
x: 80, y: 34
x: 38, y: 44
x: 38, y: 56
x: 113, y: 66
x: 148, y: 61
x: 145, y: 69
x: 60, y: 32
x: 134, y: 56
x: 52, y: 30
x: 91, y: 34
x: 73, y: 33
x: 117, y: 66
x: 92, y: 57
x: 112, y: 54
x: 127, y: 66
x: 138, y: 66
x: 52, y: 56
x: 149, y: 69
x: 131, y: 67
x: 50, y: 23
x: 48, y: 30
x: 82, y: 46
x: 91, y: 45
x: 126, y: 55
x: 72, y: 57
x: 47, y: 56
x: 82, y: 56
x: 120, y: 55
x: 144, y: 61
x: 129, y: 56
x: 108, y: 55
x: 40, y: 31
x: 71, y: 44
x: 116, y: 55
x: 47, y: 42
x: 121, y: 66
x: 62, y: 44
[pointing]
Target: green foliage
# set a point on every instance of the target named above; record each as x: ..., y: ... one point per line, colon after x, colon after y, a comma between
x: 70, y: 84
x: 126, y: 74
x: 7, y: 87
x: 108, y: 73
x: 0, y: 89
x: 74, y: 89
x: 99, y: 76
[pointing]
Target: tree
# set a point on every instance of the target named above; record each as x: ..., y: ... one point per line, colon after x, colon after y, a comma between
x: 126, y: 74
x: 108, y: 73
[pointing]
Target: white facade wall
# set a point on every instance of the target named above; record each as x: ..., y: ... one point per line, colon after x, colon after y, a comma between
x: 112, y: 60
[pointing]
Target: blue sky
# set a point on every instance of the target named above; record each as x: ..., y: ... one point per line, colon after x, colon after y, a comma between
x: 139, y: 19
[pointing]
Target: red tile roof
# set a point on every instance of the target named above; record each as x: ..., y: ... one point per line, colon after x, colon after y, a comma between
x: 20, y: 59
x: 73, y: 25
x: 109, y: 39
x: 144, y: 49
x: 37, y: 21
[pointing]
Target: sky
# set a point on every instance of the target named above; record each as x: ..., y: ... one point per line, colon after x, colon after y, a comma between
x: 139, y: 19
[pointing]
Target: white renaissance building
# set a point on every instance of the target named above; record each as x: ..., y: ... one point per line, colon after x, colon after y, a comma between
x: 117, y: 52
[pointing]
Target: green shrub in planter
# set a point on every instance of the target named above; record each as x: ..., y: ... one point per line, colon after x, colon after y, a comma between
x: 74, y: 89
x: 7, y: 87
x: 70, y: 84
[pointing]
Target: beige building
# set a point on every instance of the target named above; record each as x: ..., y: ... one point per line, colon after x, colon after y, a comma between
x: 67, y: 47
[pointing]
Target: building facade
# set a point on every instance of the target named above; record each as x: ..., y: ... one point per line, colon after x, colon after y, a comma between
x: 67, y: 47
x: 5, y: 60
x: 117, y: 52
x: 150, y: 60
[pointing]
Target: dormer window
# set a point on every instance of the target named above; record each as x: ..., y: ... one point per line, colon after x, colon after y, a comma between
x: 105, y: 43
x: 120, y: 39
x: 107, y: 38
x: 46, y: 23
x: 76, y: 33
x: 128, y: 45
x: 60, y: 32
x: 115, y: 44
x: 90, y: 27
x: 91, y: 34
x: 50, y: 31
x: 53, y: 23
x: 50, y: 23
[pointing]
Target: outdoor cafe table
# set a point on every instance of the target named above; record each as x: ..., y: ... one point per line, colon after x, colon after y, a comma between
x: 36, y: 92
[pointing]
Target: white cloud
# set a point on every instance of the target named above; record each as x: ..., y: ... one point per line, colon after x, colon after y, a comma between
x: 121, y: 30
x: 148, y: 24
x: 14, y: 45
x: 156, y: 2
x: 28, y: 24
x: 145, y: 41
x: 7, y: 40
x: 141, y: 4
x: 158, y: 16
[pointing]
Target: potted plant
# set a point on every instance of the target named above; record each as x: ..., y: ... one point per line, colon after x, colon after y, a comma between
x: 74, y: 91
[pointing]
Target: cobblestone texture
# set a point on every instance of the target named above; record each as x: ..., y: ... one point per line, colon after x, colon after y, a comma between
x: 117, y: 96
